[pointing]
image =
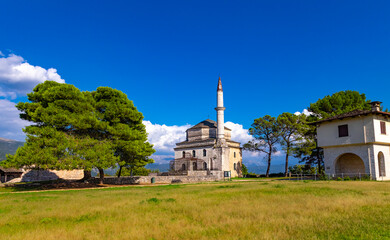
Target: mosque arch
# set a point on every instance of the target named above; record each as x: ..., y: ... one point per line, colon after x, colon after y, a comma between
x: 194, y: 166
x: 349, y: 164
x: 193, y: 153
x: 205, y: 165
x: 204, y: 152
x: 381, y: 165
x: 184, y: 154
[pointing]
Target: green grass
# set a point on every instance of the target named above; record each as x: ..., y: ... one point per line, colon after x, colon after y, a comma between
x: 225, y: 210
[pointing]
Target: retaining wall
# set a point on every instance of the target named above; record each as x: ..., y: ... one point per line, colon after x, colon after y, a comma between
x: 157, y: 179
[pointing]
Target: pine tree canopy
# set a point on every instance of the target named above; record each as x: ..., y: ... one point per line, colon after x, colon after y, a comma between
x: 71, y: 129
x: 339, y: 103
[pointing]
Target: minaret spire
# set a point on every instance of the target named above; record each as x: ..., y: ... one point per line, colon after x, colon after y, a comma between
x: 219, y: 88
x: 220, y: 111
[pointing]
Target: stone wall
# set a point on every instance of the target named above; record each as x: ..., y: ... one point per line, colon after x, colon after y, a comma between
x: 47, y: 175
x: 197, y: 173
x: 157, y: 179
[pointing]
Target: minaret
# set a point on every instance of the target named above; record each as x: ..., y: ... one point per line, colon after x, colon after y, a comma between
x: 220, y: 112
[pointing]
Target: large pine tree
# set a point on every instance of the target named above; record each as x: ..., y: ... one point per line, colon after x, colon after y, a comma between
x: 80, y: 130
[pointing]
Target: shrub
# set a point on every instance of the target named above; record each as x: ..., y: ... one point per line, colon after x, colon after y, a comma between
x: 137, y: 171
x: 324, y: 177
x: 339, y: 179
x: 251, y: 175
x: 366, y: 178
x: 347, y: 178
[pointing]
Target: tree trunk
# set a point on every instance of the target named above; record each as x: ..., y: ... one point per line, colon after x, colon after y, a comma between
x: 286, y: 167
x: 87, y: 175
x: 131, y: 171
x: 319, y: 168
x: 269, y: 165
x: 101, y: 175
x: 120, y: 171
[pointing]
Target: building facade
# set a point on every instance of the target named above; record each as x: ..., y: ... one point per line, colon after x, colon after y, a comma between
x: 356, y: 143
x: 208, y: 148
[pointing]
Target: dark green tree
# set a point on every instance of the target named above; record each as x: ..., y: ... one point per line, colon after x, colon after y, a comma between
x: 80, y: 130
x: 244, y: 170
x: 266, y: 135
x: 291, y: 129
x: 335, y: 104
x: 125, y: 128
x: 61, y: 116
x: 306, y: 149
x: 339, y: 103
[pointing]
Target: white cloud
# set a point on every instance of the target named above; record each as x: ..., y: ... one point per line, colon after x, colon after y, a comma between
x: 1, y: 54
x: 11, y: 125
x: 165, y: 137
x: 305, y: 111
x: 18, y: 77
x: 239, y: 134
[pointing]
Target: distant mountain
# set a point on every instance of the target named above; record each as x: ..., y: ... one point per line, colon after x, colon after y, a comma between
x: 161, y: 167
x: 8, y: 146
x: 259, y: 169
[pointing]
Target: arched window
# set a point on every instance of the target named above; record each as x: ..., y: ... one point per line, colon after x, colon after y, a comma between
x: 193, y: 153
x: 234, y: 154
x: 184, y: 154
x: 235, y: 166
x: 381, y: 165
x: 205, y: 166
x: 183, y: 167
x: 194, y: 166
x: 204, y: 152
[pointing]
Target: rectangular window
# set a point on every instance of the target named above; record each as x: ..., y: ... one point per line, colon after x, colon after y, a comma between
x: 383, y: 127
x: 343, y: 130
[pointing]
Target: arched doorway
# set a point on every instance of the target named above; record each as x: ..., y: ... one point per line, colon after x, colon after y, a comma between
x: 349, y: 164
x: 194, y: 166
x: 205, y: 166
x: 381, y: 165
x: 183, y: 167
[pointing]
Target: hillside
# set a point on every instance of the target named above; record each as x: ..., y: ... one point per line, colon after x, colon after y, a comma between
x: 8, y: 146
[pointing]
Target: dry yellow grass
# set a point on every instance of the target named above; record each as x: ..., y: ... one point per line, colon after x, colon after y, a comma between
x: 236, y: 210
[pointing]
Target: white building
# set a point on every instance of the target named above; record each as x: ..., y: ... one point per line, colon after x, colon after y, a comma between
x: 356, y: 143
x: 208, y: 148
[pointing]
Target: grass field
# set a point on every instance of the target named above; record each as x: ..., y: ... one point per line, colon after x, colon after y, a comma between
x: 234, y: 210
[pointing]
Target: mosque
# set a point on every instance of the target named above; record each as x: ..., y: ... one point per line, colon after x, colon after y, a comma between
x: 208, y: 148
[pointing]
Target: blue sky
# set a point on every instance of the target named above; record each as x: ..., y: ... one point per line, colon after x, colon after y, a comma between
x: 273, y: 56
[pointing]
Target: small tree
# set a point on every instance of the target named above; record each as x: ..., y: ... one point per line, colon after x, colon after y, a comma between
x: 290, y: 128
x: 266, y: 135
x: 244, y: 170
